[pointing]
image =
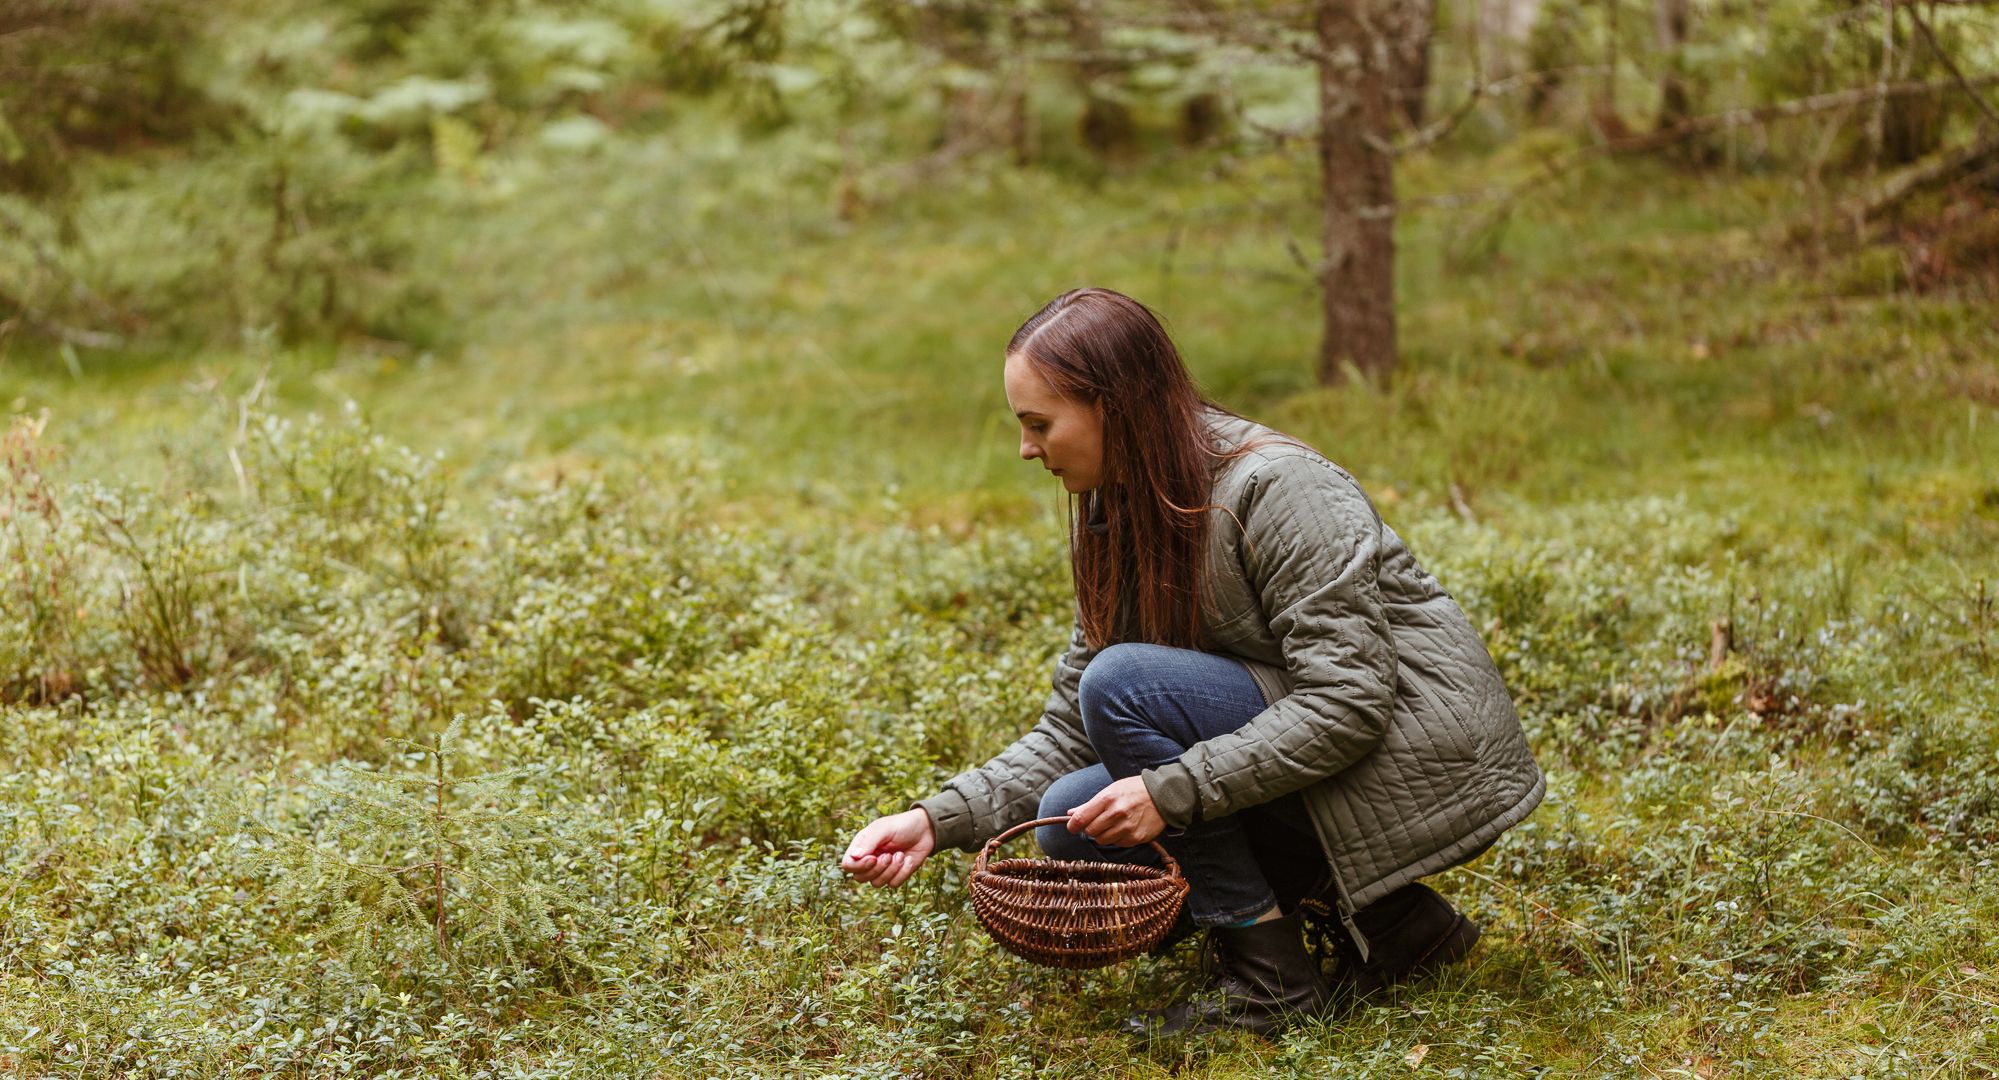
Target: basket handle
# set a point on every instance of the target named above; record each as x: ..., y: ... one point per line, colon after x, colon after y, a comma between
x: 992, y: 846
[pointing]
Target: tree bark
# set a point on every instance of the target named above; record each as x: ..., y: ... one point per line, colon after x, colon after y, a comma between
x: 1675, y: 103
x: 1357, y: 67
x: 1414, y: 24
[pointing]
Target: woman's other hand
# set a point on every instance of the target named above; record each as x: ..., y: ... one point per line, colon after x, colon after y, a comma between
x: 890, y: 848
x: 1121, y: 815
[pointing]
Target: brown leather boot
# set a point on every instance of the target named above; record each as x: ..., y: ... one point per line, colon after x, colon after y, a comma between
x: 1410, y: 933
x: 1265, y: 981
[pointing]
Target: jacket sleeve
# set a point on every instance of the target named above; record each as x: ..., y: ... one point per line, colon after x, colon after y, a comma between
x: 1311, y: 551
x: 981, y: 803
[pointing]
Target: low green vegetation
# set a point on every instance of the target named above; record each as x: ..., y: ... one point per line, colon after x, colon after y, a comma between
x: 500, y: 710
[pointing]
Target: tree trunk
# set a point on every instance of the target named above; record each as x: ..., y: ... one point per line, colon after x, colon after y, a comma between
x: 1675, y: 104
x: 1357, y: 70
x: 1414, y: 24
x: 1912, y: 128
x: 1107, y: 126
x: 1020, y: 133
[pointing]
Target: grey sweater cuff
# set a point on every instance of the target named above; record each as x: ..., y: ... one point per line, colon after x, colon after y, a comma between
x: 951, y: 819
x: 1172, y: 789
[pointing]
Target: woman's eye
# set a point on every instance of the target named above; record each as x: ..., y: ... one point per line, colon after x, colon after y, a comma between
x: 1037, y: 428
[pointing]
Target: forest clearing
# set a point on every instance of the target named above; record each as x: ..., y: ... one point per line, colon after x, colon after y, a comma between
x: 486, y: 513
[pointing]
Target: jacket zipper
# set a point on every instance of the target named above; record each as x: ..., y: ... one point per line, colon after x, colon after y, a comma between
x: 1342, y: 899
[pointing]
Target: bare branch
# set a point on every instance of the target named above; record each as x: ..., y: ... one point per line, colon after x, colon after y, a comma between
x: 1937, y: 169
x: 1430, y: 134
x: 1433, y: 133
x: 1936, y: 47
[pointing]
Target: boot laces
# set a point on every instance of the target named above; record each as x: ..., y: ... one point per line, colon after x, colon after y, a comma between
x: 1323, y: 938
x: 1214, y: 957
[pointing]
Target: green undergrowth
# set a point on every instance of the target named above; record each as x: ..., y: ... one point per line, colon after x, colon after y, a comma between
x: 502, y: 713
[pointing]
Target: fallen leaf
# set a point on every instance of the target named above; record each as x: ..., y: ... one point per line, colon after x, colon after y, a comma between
x: 1416, y: 1055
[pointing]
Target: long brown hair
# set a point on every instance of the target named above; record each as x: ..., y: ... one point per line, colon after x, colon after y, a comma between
x: 1142, y: 578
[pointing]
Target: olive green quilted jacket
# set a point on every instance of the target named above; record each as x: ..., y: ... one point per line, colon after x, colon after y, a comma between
x: 1384, y: 708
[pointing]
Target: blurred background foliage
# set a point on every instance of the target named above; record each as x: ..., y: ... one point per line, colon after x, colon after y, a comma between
x: 179, y: 174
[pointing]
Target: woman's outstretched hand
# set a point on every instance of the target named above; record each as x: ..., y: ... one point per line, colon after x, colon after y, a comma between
x: 1121, y: 815
x: 890, y: 848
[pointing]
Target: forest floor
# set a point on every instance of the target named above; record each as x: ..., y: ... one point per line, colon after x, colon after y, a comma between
x: 710, y: 543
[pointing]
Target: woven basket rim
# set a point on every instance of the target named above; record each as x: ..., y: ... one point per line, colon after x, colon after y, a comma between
x: 1073, y: 923
x: 1129, y: 871
x: 979, y: 865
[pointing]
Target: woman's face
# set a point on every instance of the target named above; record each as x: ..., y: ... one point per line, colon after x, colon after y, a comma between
x: 1066, y: 434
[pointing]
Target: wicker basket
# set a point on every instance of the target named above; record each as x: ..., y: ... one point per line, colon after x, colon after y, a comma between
x: 1067, y: 914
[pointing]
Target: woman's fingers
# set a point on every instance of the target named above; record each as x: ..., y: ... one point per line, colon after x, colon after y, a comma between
x: 865, y: 867
x: 1121, y: 815
x: 867, y: 840
x: 1083, y: 816
x: 1109, y: 825
x: 875, y: 869
x: 880, y: 856
x: 1099, y: 819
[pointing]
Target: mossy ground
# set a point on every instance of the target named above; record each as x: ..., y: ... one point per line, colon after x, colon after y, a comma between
x: 713, y: 527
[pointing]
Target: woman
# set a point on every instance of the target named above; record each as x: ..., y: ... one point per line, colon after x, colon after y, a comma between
x: 1261, y: 677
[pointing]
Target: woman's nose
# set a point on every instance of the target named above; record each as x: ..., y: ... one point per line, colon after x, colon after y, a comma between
x: 1029, y: 451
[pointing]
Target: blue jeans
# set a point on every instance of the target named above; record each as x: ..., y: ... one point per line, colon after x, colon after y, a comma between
x: 1144, y: 705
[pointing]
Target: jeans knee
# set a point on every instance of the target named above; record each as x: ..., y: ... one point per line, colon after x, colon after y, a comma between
x: 1107, y: 675
x: 1104, y: 692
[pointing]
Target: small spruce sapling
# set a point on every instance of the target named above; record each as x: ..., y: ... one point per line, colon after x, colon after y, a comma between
x: 421, y: 846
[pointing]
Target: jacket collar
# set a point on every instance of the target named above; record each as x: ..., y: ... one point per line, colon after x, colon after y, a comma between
x: 1094, y: 518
